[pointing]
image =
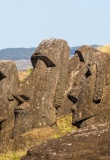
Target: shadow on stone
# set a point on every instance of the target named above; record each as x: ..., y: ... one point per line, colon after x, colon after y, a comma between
x: 88, y: 73
x: 81, y: 58
x: 72, y: 99
x: 2, y: 76
x: 40, y: 56
x: 78, y: 123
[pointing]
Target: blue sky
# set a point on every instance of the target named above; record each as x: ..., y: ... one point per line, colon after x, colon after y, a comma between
x: 25, y: 23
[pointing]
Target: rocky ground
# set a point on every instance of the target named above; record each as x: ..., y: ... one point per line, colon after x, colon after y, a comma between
x: 32, y: 108
x: 89, y: 143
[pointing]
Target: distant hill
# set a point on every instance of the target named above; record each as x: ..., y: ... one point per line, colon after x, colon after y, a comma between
x: 16, y: 53
x: 26, y: 53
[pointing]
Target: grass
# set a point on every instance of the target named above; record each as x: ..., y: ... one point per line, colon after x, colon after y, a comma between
x: 24, y: 74
x: 29, y: 71
x: 12, y: 156
x: 105, y: 48
x: 64, y: 125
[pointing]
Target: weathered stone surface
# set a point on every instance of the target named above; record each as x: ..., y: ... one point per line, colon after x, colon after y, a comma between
x: 45, y: 87
x: 89, y: 143
x: 56, y: 86
x: 88, y: 87
x: 75, y: 65
x: 9, y: 83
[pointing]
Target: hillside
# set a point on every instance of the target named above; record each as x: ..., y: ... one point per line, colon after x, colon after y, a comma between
x: 16, y: 53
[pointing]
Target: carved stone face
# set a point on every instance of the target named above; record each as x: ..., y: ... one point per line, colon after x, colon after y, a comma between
x: 89, y: 90
x: 9, y: 84
x: 45, y: 87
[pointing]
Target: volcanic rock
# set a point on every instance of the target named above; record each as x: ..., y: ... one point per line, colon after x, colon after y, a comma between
x: 56, y: 87
x: 89, y: 143
x: 88, y: 87
x: 44, y: 88
x: 9, y: 83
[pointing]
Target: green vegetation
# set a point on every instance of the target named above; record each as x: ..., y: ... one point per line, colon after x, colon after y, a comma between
x: 30, y: 70
x: 64, y: 126
x: 14, y: 156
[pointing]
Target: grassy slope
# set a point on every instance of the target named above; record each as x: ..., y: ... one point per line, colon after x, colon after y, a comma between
x: 62, y: 127
x: 105, y: 48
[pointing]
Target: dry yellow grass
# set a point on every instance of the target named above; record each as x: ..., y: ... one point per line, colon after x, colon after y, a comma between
x: 22, y: 75
x: 105, y: 48
x: 12, y: 156
x: 37, y: 136
x: 64, y: 124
